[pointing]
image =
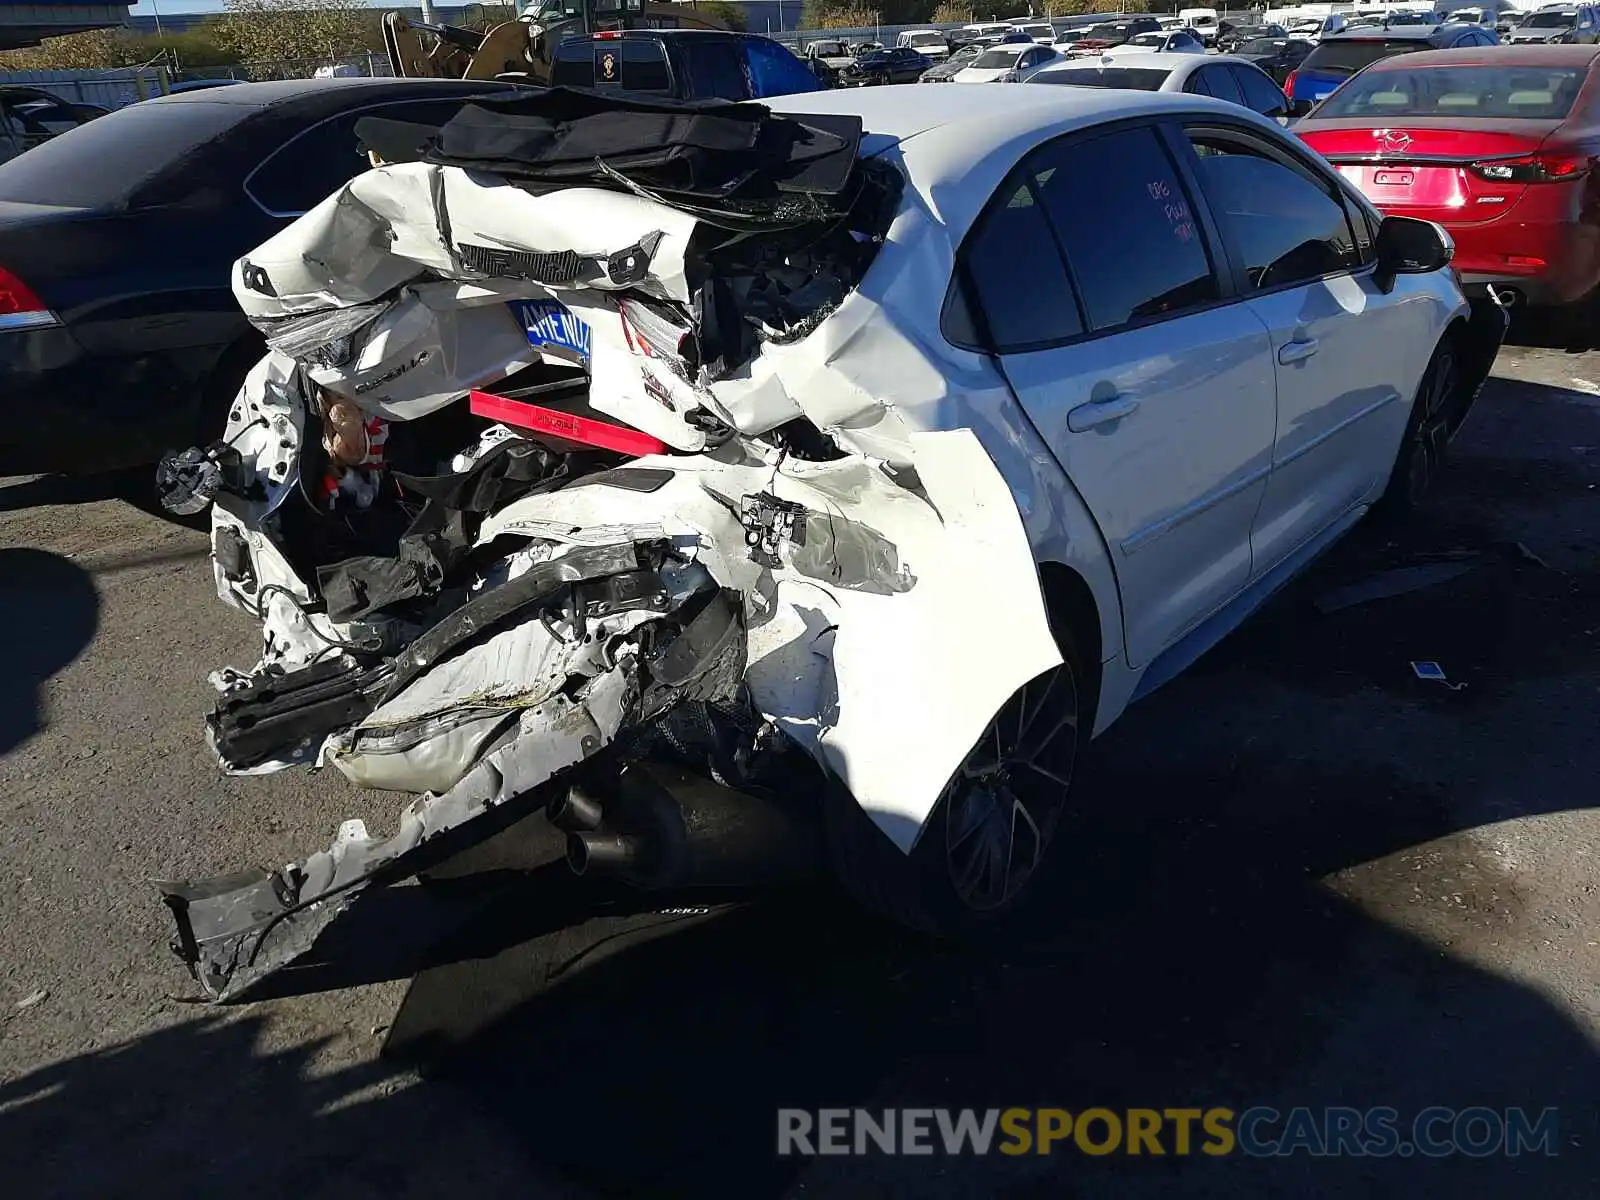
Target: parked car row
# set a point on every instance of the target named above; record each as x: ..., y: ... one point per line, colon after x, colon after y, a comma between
x: 1491, y: 142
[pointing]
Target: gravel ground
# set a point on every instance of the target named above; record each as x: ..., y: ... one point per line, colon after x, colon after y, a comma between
x: 1300, y: 876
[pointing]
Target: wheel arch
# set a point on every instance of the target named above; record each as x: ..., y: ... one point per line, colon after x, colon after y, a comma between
x: 1070, y: 604
x: 222, y: 382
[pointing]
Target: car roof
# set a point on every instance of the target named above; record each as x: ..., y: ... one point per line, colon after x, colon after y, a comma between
x: 1416, y: 33
x: 957, y: 143
x: 284, y: 91
x: 1169, y: 60
x: 1535, y: 55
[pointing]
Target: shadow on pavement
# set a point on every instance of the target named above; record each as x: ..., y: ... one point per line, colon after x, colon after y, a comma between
x: 49, y: 610
x: 1192, y: 955
x: 1248, y: 912
x: 134, y: 485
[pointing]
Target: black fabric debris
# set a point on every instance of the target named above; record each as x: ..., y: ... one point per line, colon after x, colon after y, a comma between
x: 712, y: 149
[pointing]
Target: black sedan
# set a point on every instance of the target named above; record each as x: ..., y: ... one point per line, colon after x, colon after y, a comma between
x: 1278, y: 57
x: 901, y: 64
x: 119, y: 336
x: 1231, y: 39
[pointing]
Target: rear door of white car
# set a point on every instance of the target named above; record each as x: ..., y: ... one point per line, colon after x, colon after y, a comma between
x: 1151, y: 382
x: 1302, y: 254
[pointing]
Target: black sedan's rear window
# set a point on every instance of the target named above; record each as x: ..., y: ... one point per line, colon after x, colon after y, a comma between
x: 111, y: 162
x: 1347, y: 56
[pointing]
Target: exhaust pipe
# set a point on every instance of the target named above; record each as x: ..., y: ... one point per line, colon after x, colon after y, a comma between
x: 1505, y: 297
x: 665, y: 827
x: 575, y: 812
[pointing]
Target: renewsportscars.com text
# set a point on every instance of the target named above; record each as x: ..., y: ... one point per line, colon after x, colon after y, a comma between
x: 1257, y: 1132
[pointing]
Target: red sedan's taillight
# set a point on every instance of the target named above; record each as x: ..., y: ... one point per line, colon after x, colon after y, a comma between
x: 1288, y: 84
x: 20, y: 306
x: 1534, y: 168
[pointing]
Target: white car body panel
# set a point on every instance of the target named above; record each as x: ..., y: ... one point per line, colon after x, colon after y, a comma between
x: 1155, y: 515
x: 1179, y: 67
x: 1046, y: 56
x: 935, y: 44
x: 1335, y: 426
x: 1166, y: 47
x: 1174, y: 484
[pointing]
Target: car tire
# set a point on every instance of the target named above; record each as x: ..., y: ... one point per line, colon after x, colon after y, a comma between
x: 942, y: 887
x: 222, y: 387
x: 1422, y: 447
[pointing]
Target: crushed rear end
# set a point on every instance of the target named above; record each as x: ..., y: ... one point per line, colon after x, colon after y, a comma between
x: 571, y: 485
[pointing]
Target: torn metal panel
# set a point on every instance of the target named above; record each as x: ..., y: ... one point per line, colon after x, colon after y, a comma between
x: 913, y: 692
x: 388, y: 226
x: 470, y: 613
x: 235, y: 929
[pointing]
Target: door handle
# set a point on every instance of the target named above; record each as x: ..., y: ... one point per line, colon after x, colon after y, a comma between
x: 1297, y: 351
x: 1100, y: 412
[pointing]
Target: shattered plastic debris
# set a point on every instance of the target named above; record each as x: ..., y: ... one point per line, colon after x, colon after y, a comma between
x: 1432, y: 672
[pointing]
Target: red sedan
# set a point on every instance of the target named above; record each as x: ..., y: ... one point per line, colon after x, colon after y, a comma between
x: 1499, y: 144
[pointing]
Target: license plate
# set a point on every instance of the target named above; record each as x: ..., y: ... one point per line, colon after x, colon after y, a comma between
x: 1394, y: 178
x: 554, y: 327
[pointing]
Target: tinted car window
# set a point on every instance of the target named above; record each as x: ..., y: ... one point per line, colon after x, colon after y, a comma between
x: 119, y: 158
x: 1220, y: 82
x: 1016, y: 274
x: 1131, y: 240
x: 1459, y: 91
x: 1341, y: 57
x: 314, y: 164
x: 574, y: 64
x: 712, y: 68
x: 1287, y: 228
x: 1260, y: 93
x: 644, y: 66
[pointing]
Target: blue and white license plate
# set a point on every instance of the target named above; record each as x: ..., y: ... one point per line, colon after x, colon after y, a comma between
x: 553, y: 328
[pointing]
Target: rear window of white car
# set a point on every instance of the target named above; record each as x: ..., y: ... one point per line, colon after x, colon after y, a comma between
x: 1545, y: 93
x: 1141, y: 79
x: 1130, y: 241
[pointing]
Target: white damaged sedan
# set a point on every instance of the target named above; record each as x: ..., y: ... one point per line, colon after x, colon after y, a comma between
x: 748, y: 490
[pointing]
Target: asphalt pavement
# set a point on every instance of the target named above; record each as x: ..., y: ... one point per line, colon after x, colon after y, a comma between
x: 1299, y: 875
